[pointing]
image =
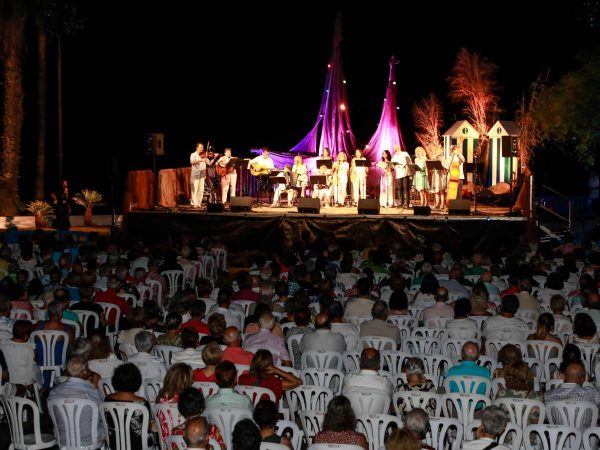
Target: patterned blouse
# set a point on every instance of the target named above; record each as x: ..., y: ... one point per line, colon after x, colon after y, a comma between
x: 348, y: 437
x: 423, y: 387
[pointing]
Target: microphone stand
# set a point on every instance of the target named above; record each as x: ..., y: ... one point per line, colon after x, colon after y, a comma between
x: 475, y: 179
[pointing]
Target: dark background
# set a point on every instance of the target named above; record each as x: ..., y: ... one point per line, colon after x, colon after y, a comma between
x: 244, y: 76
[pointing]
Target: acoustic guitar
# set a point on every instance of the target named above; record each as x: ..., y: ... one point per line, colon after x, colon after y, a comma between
x: 258, y: 170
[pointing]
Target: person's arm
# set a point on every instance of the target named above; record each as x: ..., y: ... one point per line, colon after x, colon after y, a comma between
x: 289, y: 381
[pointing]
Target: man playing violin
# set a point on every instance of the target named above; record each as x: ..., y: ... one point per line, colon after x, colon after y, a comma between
x: 228, y: 175
x: 199, y: 160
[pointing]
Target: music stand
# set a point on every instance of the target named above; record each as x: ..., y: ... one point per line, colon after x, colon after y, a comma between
x: 277, y: 180
x: 414, y: 167
x: 362, y: 162
x: 434, y: 164
x: 318, y: 179
x: 324, y: 162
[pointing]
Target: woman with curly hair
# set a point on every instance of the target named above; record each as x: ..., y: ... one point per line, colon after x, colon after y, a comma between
x: 339, y: 424
x: 177, y: 379
x: 216, y: 328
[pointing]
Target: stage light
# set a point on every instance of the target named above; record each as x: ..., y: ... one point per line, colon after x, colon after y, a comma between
x: 344, y: 81
x: 343, y: 107
x: 394, y: 83
x: 398, y: 108
x: 329, y: 66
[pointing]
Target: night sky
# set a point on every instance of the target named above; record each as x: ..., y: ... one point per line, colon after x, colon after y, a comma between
x: 248, y: 76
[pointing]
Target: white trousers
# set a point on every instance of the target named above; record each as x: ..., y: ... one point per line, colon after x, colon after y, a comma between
x: 386, y: 191
x: 197, y: 193
x: 280, y: 189
x: 228, y: 182
x: 340, y: 190
x: 359, y: 187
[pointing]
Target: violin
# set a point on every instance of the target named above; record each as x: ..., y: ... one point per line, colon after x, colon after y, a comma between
x: 209, y: 154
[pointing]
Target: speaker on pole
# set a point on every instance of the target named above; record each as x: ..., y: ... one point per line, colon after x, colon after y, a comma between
x: 459, y: 207
x: 368, y: 206
x: 240, y: 204
x: 155, y: 143
x: 309, y: 205
x: 509, y: 147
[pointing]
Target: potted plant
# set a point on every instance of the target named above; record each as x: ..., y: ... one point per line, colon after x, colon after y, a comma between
x: 87, y: 198
x: 41, y: 210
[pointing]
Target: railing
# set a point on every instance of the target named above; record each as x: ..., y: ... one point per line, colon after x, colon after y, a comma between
x: 558, y: 205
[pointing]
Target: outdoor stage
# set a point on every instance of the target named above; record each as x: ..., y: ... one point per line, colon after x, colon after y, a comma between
x: 272, y: 229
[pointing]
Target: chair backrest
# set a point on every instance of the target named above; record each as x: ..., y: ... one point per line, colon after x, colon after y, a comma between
x: 444, y: 433
x: 159, y: 288
x: 395, y: 360
x: 415, y: 311
x: 75, y: 325
x: 174, y: 280
x: 493, y: 346
x: 376, y: 427
x: 225, y: 419
x: 20, y: 314
x: 120, y: 416
x: 331, y: 378
x: 287, y: 326
x: 19, y: 411
x: 220, y: 255
x: 169, y: 417
x: 551, y: 437
x: 588, y: 354
x: 165, y: 352
x: 467, y: 384
x: 84, y: 317
x: 334, y: 447
x: 543, y: 350
x: 112, y: 310
x: 421, y: 345
x: 206, y: 387
x: 145, y: 294
x: 291, y: 430
x: 357, y: 320
x: 512, y: 430
x: 66, y: 414
x: 255, y: 393
x: 313, y: 398
x: 152, y: 387
x: 405, y: 401
x: 436, y: 322
x: 520, y: 410
x: 245, y: 304
x: 292, y: 342
x: 403, y: 321
x: 48, y: 341
x: 479, y: 319
x: 463, y: 406
x: 378, y: 342
x: 453, y: 347
x: 312, y: 422
x: 427, y: 332
x: 322, y: 360
x: 178, y: 443
x: 436, y: 365
x: 551, y: 365
x: 369, y: 402
x: 576, y: 414
x: 590, y: 438
x: 105, y: 387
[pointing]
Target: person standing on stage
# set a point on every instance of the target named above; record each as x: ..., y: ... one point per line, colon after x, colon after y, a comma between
x: 401, y: 160
x: 420, y: 177
x: 439, y: 185
x: 456, y: 156
x: 386, y: 183
x: 198, y: 160
x: 340, y: 179
x: 228, y: 180
x: 301, y: 171
x: 358, y: 176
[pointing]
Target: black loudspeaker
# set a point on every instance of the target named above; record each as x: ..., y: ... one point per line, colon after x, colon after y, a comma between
x: 422, y: 210
x: 459, y: 207
x: 215, y: 207
x: 240, y: 204
x: 155, y: 144
x: 368, y: 206
x: 309, y: 205
x: 509, y: 146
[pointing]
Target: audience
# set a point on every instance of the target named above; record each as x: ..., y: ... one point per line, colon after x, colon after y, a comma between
x: 246, y: 436
x: 234, y: 351
x: 378, y: 326
x: 211, y: 356
x: 226, y: 374
x: 266, y: 415
x: 189, y: 342
x: 493, y: 423
x: 264, y: 338
x: 368, y: 378
x: 339, y: 425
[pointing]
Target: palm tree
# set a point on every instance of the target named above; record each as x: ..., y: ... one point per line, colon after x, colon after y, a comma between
x: 40, y: 178
x: 12, y: 25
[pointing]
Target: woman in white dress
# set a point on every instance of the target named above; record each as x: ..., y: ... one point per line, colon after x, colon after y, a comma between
x: 301, y: 172
x: 341, y: 167
x: 358, y: 177
x: 386, y: 181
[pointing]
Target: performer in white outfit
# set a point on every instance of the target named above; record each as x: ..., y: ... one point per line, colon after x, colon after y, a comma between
x: 323, y: 191
x: 199, y: 160
x: 386, y: 183
x: 281, y: 188
x: 358, y: 177
x: 229, y: 179
x: 401, y: 160
x: 301, y: 172
x: 341, y: 167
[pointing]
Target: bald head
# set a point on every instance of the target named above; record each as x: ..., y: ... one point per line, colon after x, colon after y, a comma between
x: 321, y: 321
x: 593, y: 300
x: 441, y: 294
x: 196, y: 432
x: 575, y: 373
x: 470, y: 352
x: 232, y: 337
x: 369, y: 359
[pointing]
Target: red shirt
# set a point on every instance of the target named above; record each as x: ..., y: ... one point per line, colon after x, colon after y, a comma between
x: 110, y: 296
x: 198, y: 375
x: 510, y: 290
x: 237, y: 355
x: 246, y: 294
x: 271, y: 382
x: 200, y: 326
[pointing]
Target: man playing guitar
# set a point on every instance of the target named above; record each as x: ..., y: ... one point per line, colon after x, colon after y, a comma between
x: 226, y: 171
x: 261, y: 167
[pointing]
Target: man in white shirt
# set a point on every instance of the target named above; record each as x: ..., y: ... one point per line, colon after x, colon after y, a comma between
x: 361, y: 305
x: 265, y: 339
x: 323, y: 338
x: 368, y: 378
x: 189, y: 355
x: 349, y: 331
x: 461, y: 327
x: 439, y: 309
x: 401, y: 160
x: 261, y: 166
x: 505, y: 326
x: 493, y: 423
x: 198, y: 162
x: 150, y: 366
x: 378, y: 325
x: 526, y: 300
x: 233, y: 314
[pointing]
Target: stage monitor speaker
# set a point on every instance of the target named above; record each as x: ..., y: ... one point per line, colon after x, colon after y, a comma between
x: 155, y: 143
x: 422, y: 210
x: 240, y: 204
x: 509, y: 147
x: 368, y: 206
x: 459, y: 207
x: 215, y: 207
x: 309, y: 205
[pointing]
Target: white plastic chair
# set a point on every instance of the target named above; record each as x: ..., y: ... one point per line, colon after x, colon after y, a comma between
x: 152, y: 387
x: 112, y: 310
x: 403, y: 321
x: 75, y: 325
x: 395, y: 360
x: 436, y: 365
x: 322, y: 360
x: 105, y: 387
x: 273, y: 446
x: 453, y: 347
x: 121, y: 415
x: 369, y: 402
x: 245, y: 305
x: 467, y: 384
x: 405, y: 401
x: 169, y: 414
x: 331, y: 378
x: 416, y: 311
x: 189, y: 275
x: 225, y: 419
x: 376, y: 427
x: 479, y: 319
x: 19, y: 411
x: 591, y: 436
x: 292, y: 343
x: 285, y: 327
x: 312, y: 422
x: 334, y: 447
x: 145, y: 294
x: 357, y: 320
x: 552, y: 437
x: 493, y: 346
x: 283, y: 427
x: 576, y: 414
x: 588, y: 354
x: 427, y: 332
x: 175, y: 281
x: 543, y: 350
x: 255, y: 393
x: 208, y: 269
x: 519, y: 410
x: 20, y: 314
x: 444, y: 433
x: 48, y: 340
x: 512, y: 429
x: 378, y: 342
x: 159, y: 291
x: 421, y: 345
x: 66, y: 417
x: 220, y: 255
x: 463, y: 406
x: 84, y: 317
x: 165, y: 352
x: 313, y: 398
x: 206, y: 387
x: 436, y: 322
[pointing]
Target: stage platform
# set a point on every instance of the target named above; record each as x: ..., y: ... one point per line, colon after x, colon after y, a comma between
x: 274, y: 229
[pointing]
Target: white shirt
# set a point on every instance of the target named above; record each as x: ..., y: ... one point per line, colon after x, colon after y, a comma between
x: 22, y: 368
x: 150, y: 366
x: 188, y: 356
x: 324, y: 340
x: 461, y: 329
x: 403, y: 158
x: 461, y: 160
x: 503, y: 328
x: 350, y: 333
x: 198, y: 166
x: 480, y: 444
x: 105, y: 367
x: 439, y: 309
x: 366, y: 381
x: 358, y: 307
x: 265, y: 162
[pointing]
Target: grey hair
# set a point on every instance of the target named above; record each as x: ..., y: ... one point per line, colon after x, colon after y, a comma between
x: 266, y: 321
x: 144, y: 341
x: 81, y: 347
x: 494, y: 420
x: 417, y: 422
x: 76, y: 366
x: 414, y: 366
